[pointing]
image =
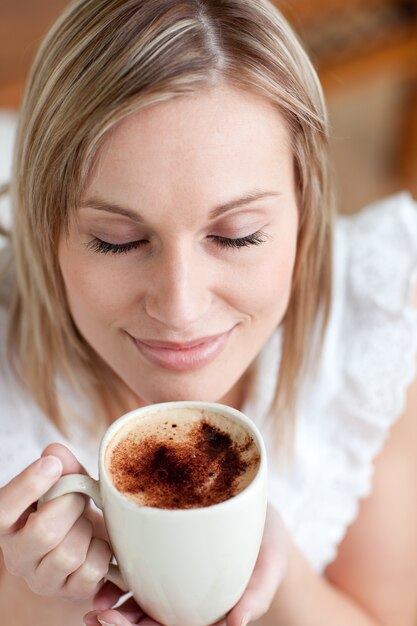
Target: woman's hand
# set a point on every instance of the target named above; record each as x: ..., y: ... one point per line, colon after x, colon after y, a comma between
x: 59, y: 549
x: 269, y: 571
x: 126, y: 614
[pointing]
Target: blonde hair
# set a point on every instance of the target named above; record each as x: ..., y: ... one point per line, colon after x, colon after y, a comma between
x: 101, y: 61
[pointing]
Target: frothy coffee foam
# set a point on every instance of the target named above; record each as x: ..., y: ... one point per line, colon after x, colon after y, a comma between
x: 181, y: 458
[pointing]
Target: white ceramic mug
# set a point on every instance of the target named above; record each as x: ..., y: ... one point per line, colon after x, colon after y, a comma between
x: 185, y: 567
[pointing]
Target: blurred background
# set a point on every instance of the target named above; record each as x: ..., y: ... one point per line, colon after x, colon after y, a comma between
x: 365, y: 52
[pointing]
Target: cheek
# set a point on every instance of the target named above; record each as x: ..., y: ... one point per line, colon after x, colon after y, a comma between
x: 274, y: 291
x: 95, y: 295
x: 268, y: 282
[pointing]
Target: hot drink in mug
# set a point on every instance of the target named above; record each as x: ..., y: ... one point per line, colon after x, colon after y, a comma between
x: 183, y: 490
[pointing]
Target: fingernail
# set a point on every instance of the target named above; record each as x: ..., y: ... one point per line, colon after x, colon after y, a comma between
x: 103, y: 623
x: 51, y: 465
x: 246, y: 619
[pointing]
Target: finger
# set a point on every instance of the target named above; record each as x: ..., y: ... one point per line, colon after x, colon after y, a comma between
x: 130, y: 614
x: 85, y: 581
x: 97, y: 519
x: 119, y: 618
x: 21, y: 521
x: 107, y: 596
x: 115, y: 618
x: 90, y: 618
x: 51, y: 574
x: 25, y: 489
x: 70, y: 463
x: 147, y: 621
x: 131, y: 610
x: 257, y: 598
x: 269, y: 571
x: 43, y: 532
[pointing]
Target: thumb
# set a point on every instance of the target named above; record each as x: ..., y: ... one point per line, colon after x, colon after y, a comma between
x: 70, y: 463
x: 269, y: 572
x: 259, y: 594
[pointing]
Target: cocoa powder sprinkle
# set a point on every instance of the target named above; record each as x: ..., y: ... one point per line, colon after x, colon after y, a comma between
x: 200, y: 471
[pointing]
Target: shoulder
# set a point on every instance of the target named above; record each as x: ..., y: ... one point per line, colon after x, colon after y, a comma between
x: 376, y: 562
x: 357, y: 392
x: 370, y: 345
x: 4, y: 307
x: 6, y: 289
x: 24, y: 429
x: 372, y: 334
x: 376, y: 559
x: 21, y: 423
x: 378, y: 249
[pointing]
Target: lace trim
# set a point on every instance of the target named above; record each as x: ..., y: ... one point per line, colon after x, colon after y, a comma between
x: 380, y: 330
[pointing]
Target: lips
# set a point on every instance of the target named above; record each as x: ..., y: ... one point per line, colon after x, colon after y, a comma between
x: 182, y: 356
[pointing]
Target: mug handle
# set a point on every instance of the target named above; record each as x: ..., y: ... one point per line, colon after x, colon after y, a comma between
x: 79, y: 483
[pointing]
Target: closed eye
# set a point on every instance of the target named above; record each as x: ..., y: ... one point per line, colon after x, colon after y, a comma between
x: 104, y: 247
x: 255, y: 239
x: 98, y: 245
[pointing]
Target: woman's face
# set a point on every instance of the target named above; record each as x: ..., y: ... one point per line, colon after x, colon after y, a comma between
x: 179, y: 259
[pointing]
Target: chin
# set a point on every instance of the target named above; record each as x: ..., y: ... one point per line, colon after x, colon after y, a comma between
x: 178, y: 392
x: 178, y: 395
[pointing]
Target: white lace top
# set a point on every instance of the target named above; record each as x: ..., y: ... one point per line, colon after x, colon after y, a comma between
x: 352, y: 398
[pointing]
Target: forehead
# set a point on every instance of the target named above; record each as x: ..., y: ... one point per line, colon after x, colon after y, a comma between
x: 221, y: 135
x: 213, y: 114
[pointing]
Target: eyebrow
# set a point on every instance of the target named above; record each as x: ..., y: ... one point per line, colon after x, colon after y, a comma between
x: 101, y: 205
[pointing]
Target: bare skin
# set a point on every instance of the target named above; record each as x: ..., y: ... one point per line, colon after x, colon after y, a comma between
x: 369, y: 583
x: 18, y: 601
x: 177, y: 283
x: 210, y: 252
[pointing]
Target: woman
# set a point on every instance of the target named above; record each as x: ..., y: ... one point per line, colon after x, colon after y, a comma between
x: 172, y: 239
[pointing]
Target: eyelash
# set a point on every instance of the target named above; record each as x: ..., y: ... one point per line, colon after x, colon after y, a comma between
x: 98, y: 245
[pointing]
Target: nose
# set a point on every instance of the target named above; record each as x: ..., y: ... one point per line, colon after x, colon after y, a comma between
x: 179, y: 293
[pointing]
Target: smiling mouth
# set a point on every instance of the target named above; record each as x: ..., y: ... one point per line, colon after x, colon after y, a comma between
x: 185, y: 356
